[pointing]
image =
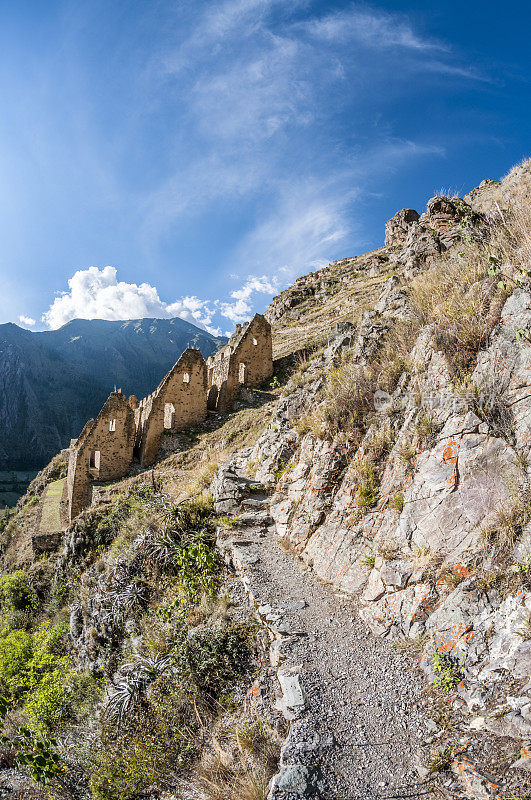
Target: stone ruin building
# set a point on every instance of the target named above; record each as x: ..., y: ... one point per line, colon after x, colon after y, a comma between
x: 246, y: 360
x: 178, y: 402
x: 126, y: 429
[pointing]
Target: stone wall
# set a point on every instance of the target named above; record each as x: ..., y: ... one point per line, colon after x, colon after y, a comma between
x: 247, y: 360
x: 126, y: 428
x: 102, y: 453
x: 218, y: 376
x: 179, y: 402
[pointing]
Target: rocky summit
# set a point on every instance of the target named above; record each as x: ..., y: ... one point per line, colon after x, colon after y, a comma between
x: 319, y: 590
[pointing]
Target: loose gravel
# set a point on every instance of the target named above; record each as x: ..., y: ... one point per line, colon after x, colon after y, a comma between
x: 363, y: 718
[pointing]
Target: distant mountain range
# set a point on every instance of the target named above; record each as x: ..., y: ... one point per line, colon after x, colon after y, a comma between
x: 53, y: 381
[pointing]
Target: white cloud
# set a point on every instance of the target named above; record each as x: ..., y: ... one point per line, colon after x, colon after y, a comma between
x: 98, y: 294
x: 26, y: 320
x: 241, y: 309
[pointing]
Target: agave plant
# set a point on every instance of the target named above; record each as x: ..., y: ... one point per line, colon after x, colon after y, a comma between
x: 162, y: 549
x: 147, y: 668
x: 120, y: 601
x: 122, y: 700
x: 128, y: 692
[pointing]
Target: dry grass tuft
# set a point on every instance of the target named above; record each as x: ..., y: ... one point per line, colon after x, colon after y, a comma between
x: 349, y: 395
x: 379, y: 442
x: 411, y: 645
x: 427, y: 429
x: 367, y: 481
x: 388, y: 551
x: 454, y: 297
x: 507, y: 523
x: 427, y: 561
x: 245, y: 765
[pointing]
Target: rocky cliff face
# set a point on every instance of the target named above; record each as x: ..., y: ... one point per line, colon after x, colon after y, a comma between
x: 399, y: 458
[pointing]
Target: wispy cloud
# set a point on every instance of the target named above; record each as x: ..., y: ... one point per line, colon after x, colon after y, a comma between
x: 299, y: 233
x: 258, y: 106
x: 372, y: 28
x: 269, y: 113
x: 28, y: 321
x: 466, y: 72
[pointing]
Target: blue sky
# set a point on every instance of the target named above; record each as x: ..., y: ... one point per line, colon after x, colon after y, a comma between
x: 193, y: 158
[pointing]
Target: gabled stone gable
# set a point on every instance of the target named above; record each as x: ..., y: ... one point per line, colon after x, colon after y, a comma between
x: 103, y: 452
x: 247, y: 360
x: 179, y: 402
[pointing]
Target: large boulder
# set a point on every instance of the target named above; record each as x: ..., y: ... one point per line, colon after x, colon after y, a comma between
x: 228, y: 489
x: 397, y: 228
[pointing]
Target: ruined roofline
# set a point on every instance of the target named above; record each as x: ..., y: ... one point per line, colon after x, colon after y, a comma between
x: 190, y: 352
x: 114, y: 400
x: 235, y: 340
x: 105, y: 450
x: 83, y: 435
x: 244, y: 332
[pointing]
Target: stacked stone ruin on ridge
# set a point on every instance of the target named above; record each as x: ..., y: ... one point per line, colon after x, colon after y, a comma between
x: 246, y: 360
x: 126, y: 429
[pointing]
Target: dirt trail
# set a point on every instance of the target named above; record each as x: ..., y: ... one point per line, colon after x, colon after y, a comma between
x: 363, y: 716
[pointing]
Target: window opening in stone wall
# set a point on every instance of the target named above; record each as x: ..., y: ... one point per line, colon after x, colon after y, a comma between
x: 186, y: 378
x: 169, y: 414
x: 255, y: 342
x: 112, y: 425
x: 241, y: 375
x: 95, y: 459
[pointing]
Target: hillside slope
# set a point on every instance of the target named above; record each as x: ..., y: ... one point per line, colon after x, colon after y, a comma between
x: 327, y: 592
x: 52, y: 382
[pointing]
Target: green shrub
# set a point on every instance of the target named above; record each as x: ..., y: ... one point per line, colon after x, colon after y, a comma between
x: 159, y: 738
x: 36, y: 673
x: 194, y: 515
x: 449, y: 671
x: 185, y: 547
x: 207, y: 663
x: 37, y: 753
x: 160, y: 731
x: 16, y: 592
x: 16, y: 652
x: 51, y: 700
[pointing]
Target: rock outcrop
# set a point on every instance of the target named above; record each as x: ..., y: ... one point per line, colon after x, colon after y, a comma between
x: 440, y: 555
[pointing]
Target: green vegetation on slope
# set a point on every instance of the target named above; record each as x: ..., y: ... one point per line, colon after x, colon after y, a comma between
x: 157, y: 648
